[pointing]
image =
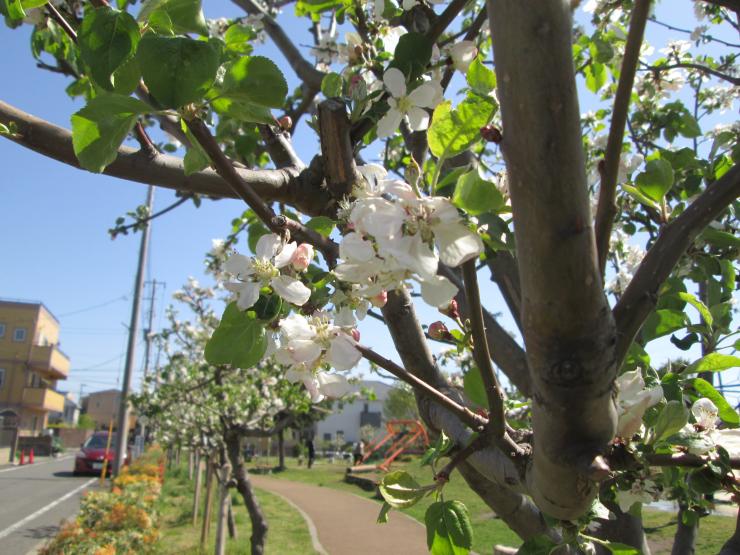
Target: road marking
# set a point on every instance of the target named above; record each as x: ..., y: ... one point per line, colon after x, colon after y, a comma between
x: 12, y: 528
x: 37, y: 464
x: 309, y: 522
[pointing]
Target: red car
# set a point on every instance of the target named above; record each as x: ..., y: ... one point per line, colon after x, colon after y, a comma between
x: 92, y: 453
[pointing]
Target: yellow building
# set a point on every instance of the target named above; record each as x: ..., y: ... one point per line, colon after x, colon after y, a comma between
x: 30, y: 365
x: 102, y: 408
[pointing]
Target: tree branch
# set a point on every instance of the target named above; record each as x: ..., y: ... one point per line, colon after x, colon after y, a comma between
x: 481, y: 354
x: 703, y: 69
x: 336, y: 148
x: 607, y: 207
x: 640, y: 296
x: 289, y: 185
x: 277, y: 224
x: 445, y: 18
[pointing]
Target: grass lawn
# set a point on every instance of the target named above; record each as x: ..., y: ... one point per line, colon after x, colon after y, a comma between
x: 287, y: 534
x: 487, y: 529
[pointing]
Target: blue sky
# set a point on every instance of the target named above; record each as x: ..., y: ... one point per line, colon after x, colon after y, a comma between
x: 54, y: 245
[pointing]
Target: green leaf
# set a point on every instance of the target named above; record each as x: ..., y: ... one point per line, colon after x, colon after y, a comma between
x: 595, y: 76
x: 412, y: 54
x: 449, y: 531
x: 195, y: 160
x: 331, y: 85
x: 539, y: 545
x: 474, y: 387
x: 255, y: 79
x: 656, y: 180
x: 101, y: 126
x: 688, y: 126
x: 726, y: 412
x: 639, y: 197
x: 237, y: 39
x: 13, y: 9
x: 720, y: 239
x: 186, y: 15
x: 239, y: 339
x: 453, y: 131
x: 242, y: 110
x: 315, y: 7
x: 267, y: 307
x: 178, y: 70
x: 400, y: 490
x: 107, y: 39
x: 383, y: 516
x: 481, y: 79
x: 475, y: 195
x: 662, y: 322
x: 698, y: 305
x: 672, y: 418
x: 713, y: 362
x: 322, y: 225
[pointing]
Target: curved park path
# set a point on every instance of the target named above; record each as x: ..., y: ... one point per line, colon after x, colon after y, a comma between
x: 342, y: 523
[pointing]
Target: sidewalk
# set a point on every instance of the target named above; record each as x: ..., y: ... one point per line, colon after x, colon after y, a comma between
x: 345, y: 524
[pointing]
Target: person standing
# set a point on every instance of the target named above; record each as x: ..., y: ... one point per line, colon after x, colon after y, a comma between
x: 311, y: 452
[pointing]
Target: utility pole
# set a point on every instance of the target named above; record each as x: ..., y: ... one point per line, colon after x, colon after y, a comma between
x: 147, y: 351
x: 133, y: 332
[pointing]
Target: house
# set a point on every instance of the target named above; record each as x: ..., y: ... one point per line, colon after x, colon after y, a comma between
x: 71, y: 413
x: 102, y: 408
x: 31, y: 364
x: 345, y: 421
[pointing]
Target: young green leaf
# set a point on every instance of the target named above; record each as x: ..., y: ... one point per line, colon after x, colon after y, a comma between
x: 178, y: 70
x: 383, y: 515
x: 331, y: 85
x: 449, y: 531
x: 662, y: 322
x: 698, y: 305
x: 713, y: 362
x: 322, y: 225
x: 412, y: 55
x: 101, y: 126
x: 186, y: 16
x: 255, y: 79
x: 107, y: 39
x: 239, y: 339
x: 453, y: 131
x: 656, y: 180
x: 400, y: 490
x: 474, y: 387
x: 481, y: 79
x: 477, y: 195
x: 672, y: 418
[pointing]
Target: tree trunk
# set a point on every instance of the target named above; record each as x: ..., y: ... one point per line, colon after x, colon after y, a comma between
x: 223, y: 509
x: 281, y: 450
x: 198, y: 483
x: 232, y: 521
x: 191, y: 464
x: 206, y: 525
x: 626, y: 529
x: 244, y: 487
x: 732, y: 546
x: 685, y: 538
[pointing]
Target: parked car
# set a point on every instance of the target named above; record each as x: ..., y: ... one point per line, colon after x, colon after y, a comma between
x: 89, y: 459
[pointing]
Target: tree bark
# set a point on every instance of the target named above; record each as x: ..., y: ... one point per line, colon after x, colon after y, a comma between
x: 626, y: 529
x: 232, y: 521
x: 566, y: 321
x: 685, y: 538
x: 245, y: 489
x: 223, y: 509
x: 206, y: 524
x: 196, y: 492
x: 191, y: 464
x: 732, y: 546
x: 281, y: 450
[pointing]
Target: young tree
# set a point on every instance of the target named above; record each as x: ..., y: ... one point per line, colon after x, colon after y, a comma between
x: 603, y: 231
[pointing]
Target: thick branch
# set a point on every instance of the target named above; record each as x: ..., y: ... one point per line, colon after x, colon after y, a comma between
x: 305, y: 71
x: 607, y: 208
x: 640, y: 296
x: 445, y: 18
x: 505, y: 274
x: 336, y: 148
x: 567, y: 329
x: 299, y: 188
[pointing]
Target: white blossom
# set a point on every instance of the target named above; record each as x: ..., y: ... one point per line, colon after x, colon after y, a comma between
x: 633, y: 399
x: 407, y: 106
x: 641, y: 491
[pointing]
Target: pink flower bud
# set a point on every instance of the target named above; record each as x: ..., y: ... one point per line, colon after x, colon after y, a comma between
x: 438, y: 331
x: 451, y: 310
x: 355, y: 334
x: 302, y: 257
x: 379, y: 300
x: 286, y: 123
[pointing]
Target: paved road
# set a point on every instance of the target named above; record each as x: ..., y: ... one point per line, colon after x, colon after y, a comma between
x: 34, y: 499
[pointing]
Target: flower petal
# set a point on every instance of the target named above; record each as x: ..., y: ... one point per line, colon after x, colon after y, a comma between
x: 304, y: 350
x: 395, y: 82
x: 332, y: 385
x: 342, y: 353
x: 267, y: 246
x: 296, y: 326
x: 282, y: 258
x: 426, y: 94
x: 438, y: 291
x: 239, y: 265
x: 456, y: 243
x: 248, y: 292
x: 418, y: 118
x: 389, y: 123
x: 290, y: 289
x: 354, y: 247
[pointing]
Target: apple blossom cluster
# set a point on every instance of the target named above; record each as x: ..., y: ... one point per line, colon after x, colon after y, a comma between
x: 393, y: 238
x: 272, y: 258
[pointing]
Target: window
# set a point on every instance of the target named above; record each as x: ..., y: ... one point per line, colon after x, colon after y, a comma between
x: 19, y: 334
x: 327, y: 437
x: 2, y: 330
x: 2, y: 377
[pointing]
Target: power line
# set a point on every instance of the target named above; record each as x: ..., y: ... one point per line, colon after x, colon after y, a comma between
x: 93, y: 307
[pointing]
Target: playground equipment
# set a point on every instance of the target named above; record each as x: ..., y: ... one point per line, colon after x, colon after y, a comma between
x: 407, y: 436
